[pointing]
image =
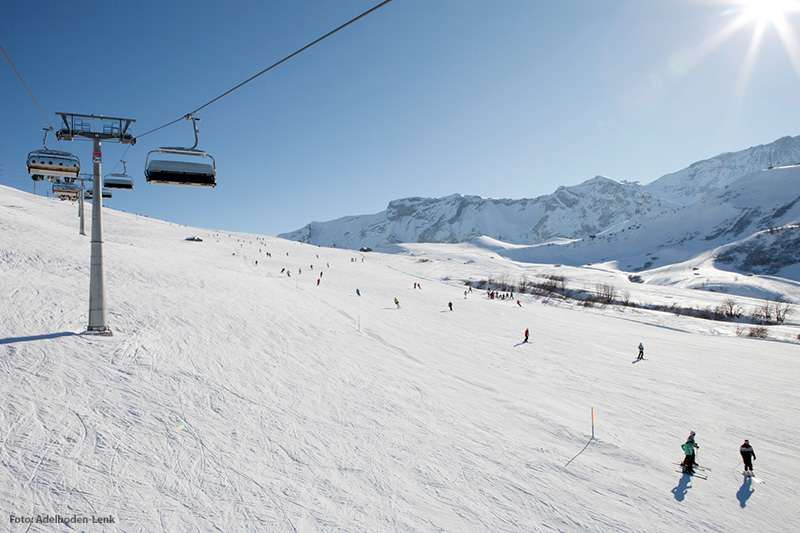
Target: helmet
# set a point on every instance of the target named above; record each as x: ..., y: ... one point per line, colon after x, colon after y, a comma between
x: 692, y: 433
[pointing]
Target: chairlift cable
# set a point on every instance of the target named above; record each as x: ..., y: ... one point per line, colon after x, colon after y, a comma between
x: 26, y: 86
x: 303, y: 49
x: 122, y: 157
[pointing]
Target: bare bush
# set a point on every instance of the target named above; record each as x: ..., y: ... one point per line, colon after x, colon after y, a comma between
x: 766, y: 311
x: 731, y: 309
x: 524, y: 283
x: 549, y: 285
x: 626, y: 298
x: 758, y: 332
x: 605, y: 293
x: 782, y: 310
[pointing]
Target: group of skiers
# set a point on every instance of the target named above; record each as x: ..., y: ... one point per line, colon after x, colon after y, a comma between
x: 500, y: 296
x: 690, y: 462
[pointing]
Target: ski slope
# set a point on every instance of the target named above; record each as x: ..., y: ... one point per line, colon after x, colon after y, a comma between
x: 235, y: 398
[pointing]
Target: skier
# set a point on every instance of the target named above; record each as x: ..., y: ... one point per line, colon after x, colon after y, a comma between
x: 397, y: 303
x: 519, y: 304
x: 358, y: 292
x: 748, y: 455
x: 450, y: 305
x: 689, y: 448
x: 641, y: 351
x: 526, y: 335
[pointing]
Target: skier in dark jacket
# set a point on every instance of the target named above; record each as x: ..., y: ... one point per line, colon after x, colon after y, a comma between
x: 748, y: 455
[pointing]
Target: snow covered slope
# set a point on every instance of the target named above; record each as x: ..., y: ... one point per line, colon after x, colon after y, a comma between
x: 233, y: 397
x: 570, y: 212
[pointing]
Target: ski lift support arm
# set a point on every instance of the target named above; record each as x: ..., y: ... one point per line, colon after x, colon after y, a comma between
x: 118, y: 131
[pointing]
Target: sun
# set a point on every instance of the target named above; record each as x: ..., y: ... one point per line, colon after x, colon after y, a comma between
x: 759, y: 16
x: 768, y: 11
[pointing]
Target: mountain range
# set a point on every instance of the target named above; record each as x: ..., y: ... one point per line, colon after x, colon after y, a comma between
x: 740, y: 207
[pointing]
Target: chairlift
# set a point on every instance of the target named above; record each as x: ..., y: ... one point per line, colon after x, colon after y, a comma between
x: 176, y: 170
x: 66, y: 190
x: 105, y: 193
x: 52, y: 162
x: 119, y: 181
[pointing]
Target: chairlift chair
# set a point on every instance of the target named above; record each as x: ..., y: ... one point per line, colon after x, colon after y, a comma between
x: 119, y: 181
x: 66, y: 190
x: 52, y: 162
x: 199, y: 172
x: 105, y: 193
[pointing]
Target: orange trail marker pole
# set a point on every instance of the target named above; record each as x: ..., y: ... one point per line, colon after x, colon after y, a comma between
x: 592, y: 422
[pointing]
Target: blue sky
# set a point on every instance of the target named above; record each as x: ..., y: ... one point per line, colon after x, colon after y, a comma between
x: 498, y: 98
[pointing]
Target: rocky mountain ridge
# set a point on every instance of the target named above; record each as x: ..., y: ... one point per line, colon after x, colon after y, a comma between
x: 718, y: 202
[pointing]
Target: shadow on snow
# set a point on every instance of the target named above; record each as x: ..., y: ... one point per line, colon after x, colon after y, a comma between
x: 12, y: 340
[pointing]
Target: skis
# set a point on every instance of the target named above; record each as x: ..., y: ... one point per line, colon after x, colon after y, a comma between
x: 703, y: 469
x: 694, y: 474
x: 697, y: 467
x: 753, y: 477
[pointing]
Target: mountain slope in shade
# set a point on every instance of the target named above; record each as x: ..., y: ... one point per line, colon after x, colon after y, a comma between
x: 570, y: 212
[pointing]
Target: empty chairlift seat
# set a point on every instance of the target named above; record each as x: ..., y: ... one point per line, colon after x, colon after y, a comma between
x: 118, y: 181
x: 66, y: 190
x: 53, y: 163
x: 89, y: 193
x: 181, y: 166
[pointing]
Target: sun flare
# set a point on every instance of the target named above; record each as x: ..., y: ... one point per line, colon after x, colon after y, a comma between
x: 768, y: 11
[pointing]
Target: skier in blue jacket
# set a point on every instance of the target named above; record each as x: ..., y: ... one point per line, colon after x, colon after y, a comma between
x: 689, y: 448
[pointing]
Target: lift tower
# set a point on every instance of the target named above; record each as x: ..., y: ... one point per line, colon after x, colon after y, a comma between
x: 113, y: 129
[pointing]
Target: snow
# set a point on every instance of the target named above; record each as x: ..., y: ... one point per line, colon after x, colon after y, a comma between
x: 232, y: 397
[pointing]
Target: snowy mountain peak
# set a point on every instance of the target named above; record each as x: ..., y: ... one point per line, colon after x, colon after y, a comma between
x: 570, y: 212
x: 597, y: 205
x: 703, y: 177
